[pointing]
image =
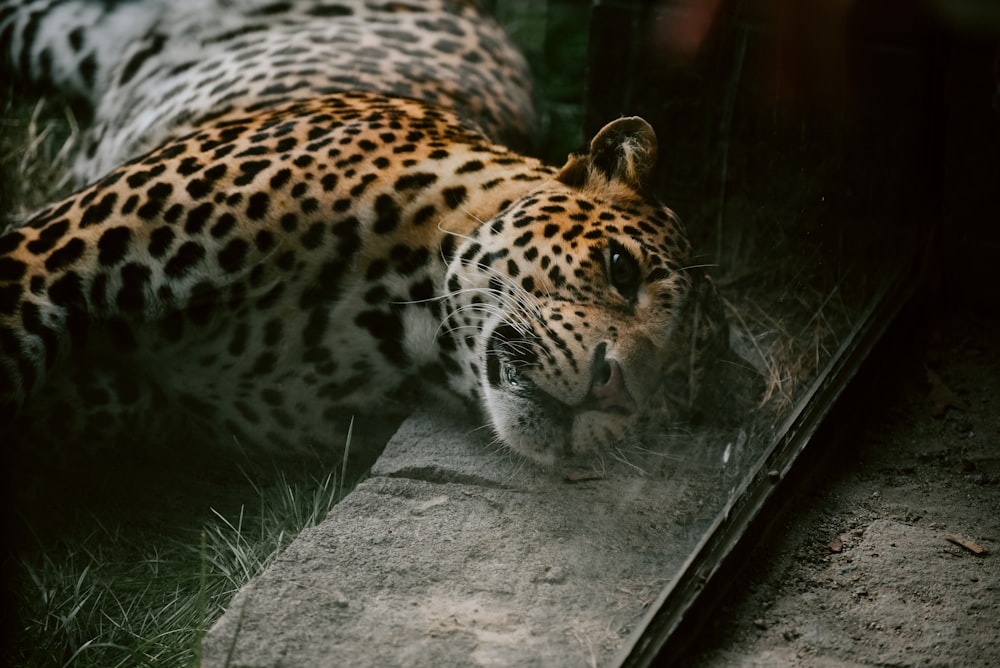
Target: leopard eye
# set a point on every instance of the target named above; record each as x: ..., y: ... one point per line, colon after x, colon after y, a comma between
x: 623, y: 271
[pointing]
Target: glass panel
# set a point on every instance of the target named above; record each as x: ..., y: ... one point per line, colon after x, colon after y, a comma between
x: 792, y: 152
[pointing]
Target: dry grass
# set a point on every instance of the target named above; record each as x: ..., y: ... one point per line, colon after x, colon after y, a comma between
x: 37, y: 140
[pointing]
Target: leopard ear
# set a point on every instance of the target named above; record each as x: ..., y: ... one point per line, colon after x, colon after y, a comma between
x: 624, y: 151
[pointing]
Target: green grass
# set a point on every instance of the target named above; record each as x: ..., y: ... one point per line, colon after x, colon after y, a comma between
x: 122, y: 595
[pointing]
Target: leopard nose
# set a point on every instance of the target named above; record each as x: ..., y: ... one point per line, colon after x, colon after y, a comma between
x: 607, y: 385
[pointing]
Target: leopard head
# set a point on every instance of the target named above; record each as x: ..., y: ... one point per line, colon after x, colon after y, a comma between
x: 572, y: 305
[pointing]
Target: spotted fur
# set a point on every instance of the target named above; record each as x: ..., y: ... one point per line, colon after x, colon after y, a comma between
x: 275, y: 265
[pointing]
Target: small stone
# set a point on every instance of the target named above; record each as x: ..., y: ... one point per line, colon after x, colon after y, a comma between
x: 760, y: 624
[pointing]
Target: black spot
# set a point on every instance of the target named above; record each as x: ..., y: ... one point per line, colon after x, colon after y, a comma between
x: 424, y: 214
x: 550, y: 230
x: 223, y: 225
x: 454, y: 197
x: 448, y: 248
x: 66, y: 255
x: 157, y: 194
x: 139, y: 57
x: 329, y: 182
x: 366, y: 180
x: 10, y: 295
x: 231, y: 257
x: 76, y: 39
x: 138, y: 179
x: 408, y: 260
x: 264, y: 241
x: 11, y: 241
x: 132, y: 296
x: 325, y: 287
x: 282, y: 177
x: 169, y: 152
x: 197, y: 217
x: 388, y: 329
x: 216, y: 172
x: 48, y: 237
x: 471, y: 166
x: 422, y: 290
x: 313, y: 237
x: 253, y: 150
x: 330, y: 10
x: 416, y: 181
x: 130, y: 204
x: 250, y: 169
x: 470, y: 252
x: 113, y: 245
x: 573, y: 232
x: 347, y: 231
x: 197, y: 188
x: 189, y: 166
x: 387, y: 214
x: 524, y: 239
x: 258, y: 205
x: 99, y: 212
x: 185, y: 259
x: 173, y: 214
x: 556, y: 277
x: 67, y: 292
x: 309, y: 205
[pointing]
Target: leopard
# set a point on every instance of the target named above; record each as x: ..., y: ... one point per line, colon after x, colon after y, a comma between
x: 316, y: 210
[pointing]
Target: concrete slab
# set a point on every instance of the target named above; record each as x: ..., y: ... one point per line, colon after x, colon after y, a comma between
x: 454, y: 554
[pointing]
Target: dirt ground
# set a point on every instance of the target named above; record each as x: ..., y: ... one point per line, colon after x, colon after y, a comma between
x: 868, y: 570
